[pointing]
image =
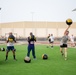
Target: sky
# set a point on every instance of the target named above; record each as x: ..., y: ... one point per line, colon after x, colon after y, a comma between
x: 37, y: 10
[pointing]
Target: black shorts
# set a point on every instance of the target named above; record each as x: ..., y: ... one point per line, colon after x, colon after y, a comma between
x: 63, y: 46
x: 50, y: 41
x: 10, y: 48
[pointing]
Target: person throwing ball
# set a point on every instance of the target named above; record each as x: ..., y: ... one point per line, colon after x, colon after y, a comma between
x: 31, y: 46
x: 10, y: 45
x: 63, y: 43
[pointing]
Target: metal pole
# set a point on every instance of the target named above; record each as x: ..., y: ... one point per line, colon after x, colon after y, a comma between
x: 0, y: 8
x: 32, y: 15
x: 74, y: 9
x: 32, y: 19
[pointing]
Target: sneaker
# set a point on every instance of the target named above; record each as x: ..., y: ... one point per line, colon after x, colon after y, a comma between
x: 15, y: 59
x: 5, y: 59
x: 62, y: 54
x: 65, y: 58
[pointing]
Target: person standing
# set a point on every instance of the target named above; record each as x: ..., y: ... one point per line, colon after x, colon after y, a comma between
x: 63, y: 43
x: 10, y: 45
x: 31, y: 45
x: 72, y: 41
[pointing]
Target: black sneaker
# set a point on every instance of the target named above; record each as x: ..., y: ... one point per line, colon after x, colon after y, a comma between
x: 15, y: 59
x: 5, y: 59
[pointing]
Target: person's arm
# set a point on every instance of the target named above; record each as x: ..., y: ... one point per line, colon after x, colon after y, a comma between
x: 14, y: 39
x: 35, y: 38
x: 7, y: 41
x: 28, y: 39
x: 66, y: 29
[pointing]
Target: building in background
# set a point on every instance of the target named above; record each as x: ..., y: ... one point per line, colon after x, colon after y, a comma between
x: 40, y: 29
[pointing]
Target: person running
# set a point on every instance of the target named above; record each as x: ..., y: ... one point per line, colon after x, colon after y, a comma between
x: 10, y: 45
x: 48, y: 40
x: 63, y: 43
x: 51, y: 40
x: 31, y: 45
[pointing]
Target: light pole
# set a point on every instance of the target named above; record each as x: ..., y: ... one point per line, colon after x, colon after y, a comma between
x: 74, y: 9
x: 32, y: 15
x: 0, y: 8
x: 33, y: 23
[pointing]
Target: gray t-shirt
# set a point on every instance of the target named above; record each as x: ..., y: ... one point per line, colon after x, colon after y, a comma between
x: 64, y: 39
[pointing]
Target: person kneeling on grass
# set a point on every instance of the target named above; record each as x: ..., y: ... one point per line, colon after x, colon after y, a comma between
x: 63, y: 44
x: 10, y: 45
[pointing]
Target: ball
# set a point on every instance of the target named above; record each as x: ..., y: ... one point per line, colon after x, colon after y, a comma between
x: 44, y: 56
x: 69, y: 21
x: 2, y: 49
x: 27, y: 59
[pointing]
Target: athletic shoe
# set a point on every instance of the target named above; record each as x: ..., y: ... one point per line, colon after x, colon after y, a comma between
x: 65, y: 58
x: 35, y: 59
x: 62, y: 54
x: 5, y: 59
x: 15, y: 59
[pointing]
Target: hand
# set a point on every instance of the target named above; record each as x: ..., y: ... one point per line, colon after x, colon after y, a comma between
x: 69, y: 25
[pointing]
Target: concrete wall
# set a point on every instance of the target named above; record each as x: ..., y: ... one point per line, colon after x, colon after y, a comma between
x: 40, y: 29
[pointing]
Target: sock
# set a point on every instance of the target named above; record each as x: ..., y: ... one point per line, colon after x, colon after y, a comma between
x: 6, y: 57
x: 65, y: 54
x: 61, y: 51
x: 14, y: 56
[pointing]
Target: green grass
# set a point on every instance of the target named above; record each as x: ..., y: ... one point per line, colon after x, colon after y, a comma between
x: 55, y: 65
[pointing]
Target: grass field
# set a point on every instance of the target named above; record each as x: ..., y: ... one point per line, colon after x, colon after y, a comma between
x: 55, y: 65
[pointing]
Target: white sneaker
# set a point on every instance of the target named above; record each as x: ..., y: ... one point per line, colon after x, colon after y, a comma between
x: 65, y: 58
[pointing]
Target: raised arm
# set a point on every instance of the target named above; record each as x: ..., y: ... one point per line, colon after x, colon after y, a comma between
x: 66, y: 29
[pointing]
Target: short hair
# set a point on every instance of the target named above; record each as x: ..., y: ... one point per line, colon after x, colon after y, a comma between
x: 31, y: 33
x: 10, y: 33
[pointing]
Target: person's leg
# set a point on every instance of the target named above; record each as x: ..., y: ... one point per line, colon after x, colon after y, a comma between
x: 73, y: 44
x: 14, y: 56
x: 33, y: 52
x: 29, y: 49
x: 48, y: 43
x: 13, y: 51
x: 6, y: 55
x: 7, y: 51
x: 65, y: 53
x: 61, y: 50
x: 51, y: 44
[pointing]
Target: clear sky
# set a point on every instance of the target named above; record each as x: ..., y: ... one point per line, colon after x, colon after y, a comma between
x: 37, y: 10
